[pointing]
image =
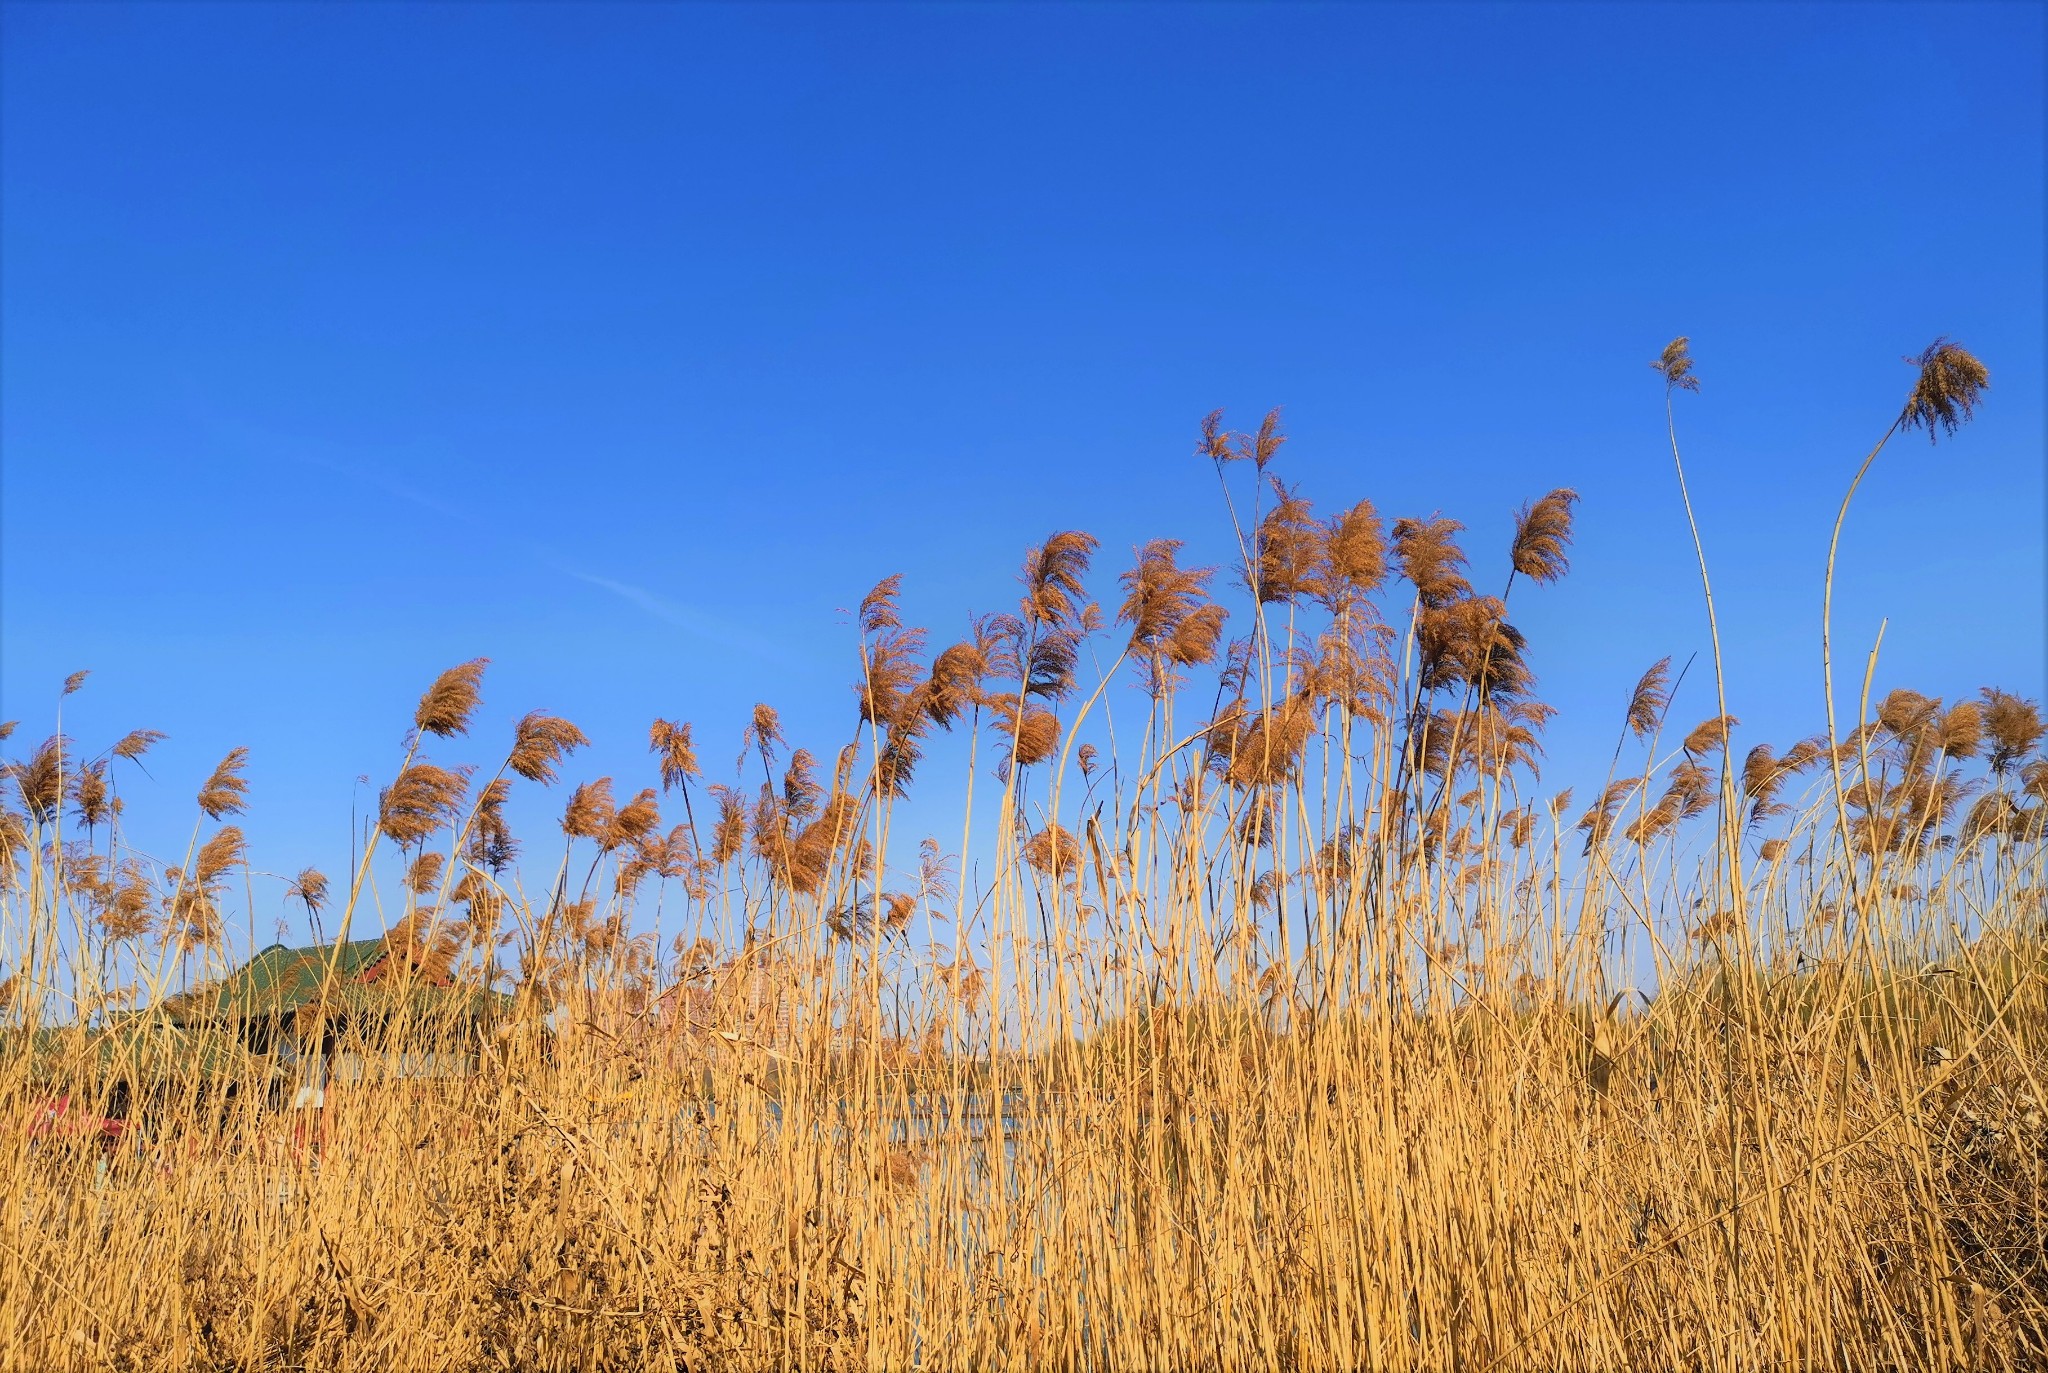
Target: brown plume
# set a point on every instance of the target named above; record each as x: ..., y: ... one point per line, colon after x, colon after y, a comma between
x: 1262, y: 748
x: 1053, y: 852
x: 309, y: 888
x: 1949, y: 388
x: 590, y: 811
x: 1651, y: 696
x: 1263, y: 446
x: 137, y: 742
x: 631, y: 823
x: 491, y: 844
x: 226, y: 791
x: 1962, y: 730
x: 40, y: 778
x: 1355, y: 546
x: 1026, y: 740
x: 1288, y: 550
x: 1709, y: 734
x: 1542, y: 533
x: 452, y: 699
x: 671, y: 742
x: 730, y: 833
x: 425, y: 873
x: 419, y: 801
x: 1159, y: 594
x: 91, y: 799
x: 1691, y: 789
x: 540, y: 744
x: 75, y: 681
x: 2014, y: 725
x: 763, y: 733
x: 1429, y: 556
x: 1052, y: 578
x: 126, y: 914
x: 1676, y: 366
x: 1599, y: 817
x: 225, y: 850
x: 954, y: 686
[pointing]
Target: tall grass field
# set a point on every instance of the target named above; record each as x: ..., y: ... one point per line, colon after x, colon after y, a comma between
x: 1292, y: 1021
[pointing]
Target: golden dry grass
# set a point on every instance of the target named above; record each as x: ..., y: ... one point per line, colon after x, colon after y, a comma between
x: 1295, y: 1035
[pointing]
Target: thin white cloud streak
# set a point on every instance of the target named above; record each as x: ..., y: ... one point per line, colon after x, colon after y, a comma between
x: 699, y: 623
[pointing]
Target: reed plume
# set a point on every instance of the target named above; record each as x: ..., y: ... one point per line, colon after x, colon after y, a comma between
x: 1708, y: 735
x: 1263, y: 747
x: 591, y: 811
x: 75, y: 681
x: 1053, y: 852
x: 729, y: 835
x: 1946, y: 394
x: 490, y: 844
x: 226, y: 791
x: 127, y: 914
x: 670, y: 742
x: 1053, y: 594
x: 1675, y: 364
x: 1429, y: 556
x: 1598, y: 819
x: 1355, y: 545
x: 452, y: 699
x: 424, y: 873
x: 2015, y: 726
x: 309, y: 889
x: 763, y: 734
x: 1646, y: 704
x: 91, y: 799
x: 954, y: 684
x: 419, y: 801
x: 39, y: 779
x: 227, y: 849
x: 1028, y: 734
x: 1543, y: 531
x: 1263, y: 446
x: 1289, y: 554
x: 137, y: 742
x: 540, y: 744
x: 1690, y: 789
x: 1215, y: 442
x: 1962, y: 731
x: 632, y: 823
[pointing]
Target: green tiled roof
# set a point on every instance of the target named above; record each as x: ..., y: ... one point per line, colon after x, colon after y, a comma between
x: 276, y: 981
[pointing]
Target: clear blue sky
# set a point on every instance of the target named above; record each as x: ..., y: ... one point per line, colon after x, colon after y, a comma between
x: 625, y: 344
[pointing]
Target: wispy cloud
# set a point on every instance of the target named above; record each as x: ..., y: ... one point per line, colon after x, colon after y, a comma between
x: 690, y: 619
x: 683, y: 617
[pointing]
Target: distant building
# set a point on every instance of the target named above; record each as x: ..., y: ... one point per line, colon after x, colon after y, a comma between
x: 343, y: 1013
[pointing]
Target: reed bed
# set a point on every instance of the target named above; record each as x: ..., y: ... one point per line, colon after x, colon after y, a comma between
x: 1291, y: 1025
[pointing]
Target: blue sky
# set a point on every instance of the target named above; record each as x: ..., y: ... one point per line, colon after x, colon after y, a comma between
x: 626, y: 345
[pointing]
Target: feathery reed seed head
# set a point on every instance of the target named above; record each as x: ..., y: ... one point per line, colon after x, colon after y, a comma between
x: 1948, y: 390
x: 452, y: 699
x: 226, y: 790
x: 540, y: 744
x: 1675, y: 364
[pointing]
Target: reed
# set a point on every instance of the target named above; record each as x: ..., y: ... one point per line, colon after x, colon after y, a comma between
x: 1292, y: 1024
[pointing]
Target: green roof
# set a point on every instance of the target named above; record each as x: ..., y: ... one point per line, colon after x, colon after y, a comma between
x: 275, y: 982
x: 279, y: 981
